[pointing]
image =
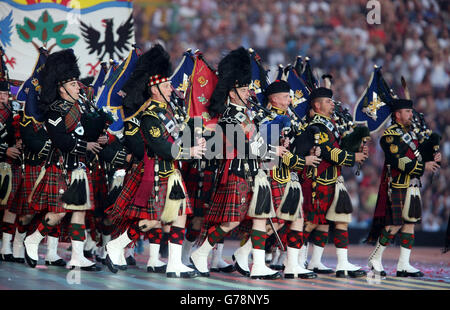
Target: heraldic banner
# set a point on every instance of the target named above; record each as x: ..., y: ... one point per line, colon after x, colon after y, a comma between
x: 97, y: 30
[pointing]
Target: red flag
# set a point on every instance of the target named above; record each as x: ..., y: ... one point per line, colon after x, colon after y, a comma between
x: 202, y: 83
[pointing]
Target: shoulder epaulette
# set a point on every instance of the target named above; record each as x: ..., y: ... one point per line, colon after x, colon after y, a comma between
x: 150, y: 113
x: 391, y: 132
x: 135, y: 121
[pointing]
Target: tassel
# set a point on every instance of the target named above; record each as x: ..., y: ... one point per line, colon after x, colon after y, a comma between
x: 290, y: 206
x: 261, y: 205
x: 76, y: 197
x: 177, y: 191
x: 415, y: 208
x: 343, y: 204
x: 173, y: 205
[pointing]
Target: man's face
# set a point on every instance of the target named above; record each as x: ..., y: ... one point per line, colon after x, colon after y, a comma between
x: 3, y: 98
x: 404, y: 116
x: 70, y: 91
x: 324, y: 106
x: 166, y: 91
x: 239, y: 95
x: 280, y: 100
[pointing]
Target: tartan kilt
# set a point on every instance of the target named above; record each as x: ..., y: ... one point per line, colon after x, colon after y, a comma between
x: 277, y: 195
x: 47, y: 196
x: 191, y: 177
x: 323, y: 201
x: 29, y: 179
x: 123, y: 209
x: 230, y: 202
x: 394, y: 209
x: 16, y: 181
x: 99, y: 184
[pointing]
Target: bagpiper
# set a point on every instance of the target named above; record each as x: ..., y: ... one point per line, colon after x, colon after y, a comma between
x: 243, y: 191
x: 155, y: 193
x: 66, y: 187
x: 10, y: 163
x: 286, y: 189
x: 399, y: 203
x: 323, y: 190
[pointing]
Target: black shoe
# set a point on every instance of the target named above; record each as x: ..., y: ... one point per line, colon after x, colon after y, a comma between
x: 309, y: 275
x: 131, y: 261
x: 239, y: 269
x: 200, y: 274
x: 7, y: 258
x: 122, y: 267
x: 227, y: 269
x: 189, y: 274
x: 277, y: 267
x: 405, y: 274
x: 160, y: 269
x: 98, y: 259
x: 323, y: 271
x: 88, y: 254
x: 274, y: 276
x: 113, y: 268
x: 379, y: 273
x: 352, y: 274
x: 60, y: 262
x: 19, y: 260
x: 31, y: 262
x: 89, y: 268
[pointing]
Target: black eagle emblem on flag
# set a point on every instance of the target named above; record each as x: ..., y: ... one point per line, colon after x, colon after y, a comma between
x: 110, y: 45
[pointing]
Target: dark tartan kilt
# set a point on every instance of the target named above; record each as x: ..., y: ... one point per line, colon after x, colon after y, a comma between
x: 29, y: 178
x: 99, y: 184
x: 324, y: 198
x: 230, y: 201
x: 277, y: 195
x: 123, y: 209
x: 47, y: 195
x: 16, y: 181
x: 394, y: 210
x: 192, y: 179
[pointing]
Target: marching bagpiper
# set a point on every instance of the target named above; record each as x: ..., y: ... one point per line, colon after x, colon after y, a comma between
x: 66, y: 186
x: 155, y: 193
x: 398, y: 206
x: 10, y: 163
x: 325, y: 197
x: 243, y: 191
x: 286, y: 190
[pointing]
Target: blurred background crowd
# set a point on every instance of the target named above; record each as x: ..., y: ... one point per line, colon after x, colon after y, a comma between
x: 412, y: 39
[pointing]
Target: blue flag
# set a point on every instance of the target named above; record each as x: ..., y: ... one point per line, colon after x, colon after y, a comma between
x: 373, y: 107
x: 100, y: 77
x: 299, y: 92
x: 21, y: 93
x: 260, y: 79
x: 110, y: 96
x: 30, y: 90
x: 180, y: 78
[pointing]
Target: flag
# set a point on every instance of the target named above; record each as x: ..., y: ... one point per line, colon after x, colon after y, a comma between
x: 201, y: 86
x: 373, y: 107
x: 97, y: 30
x: 111, y: 96
x: 260, y: 79
x: 24, y: 88
x: 100, y: 77
x: 299, y: 92
x: 307, y: 75
x: 181, y: 75
x: 29, y: 91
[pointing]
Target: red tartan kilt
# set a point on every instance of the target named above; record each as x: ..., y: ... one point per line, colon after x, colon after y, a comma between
x: 316, y: 213
x: 30, y: 177
x: 191, y: 177
x: 123, y: 208
x: 277, y: 195
x: 99, y: 185
x: 16, y: 181
x: 230, y: 201
x: 47, y: 196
